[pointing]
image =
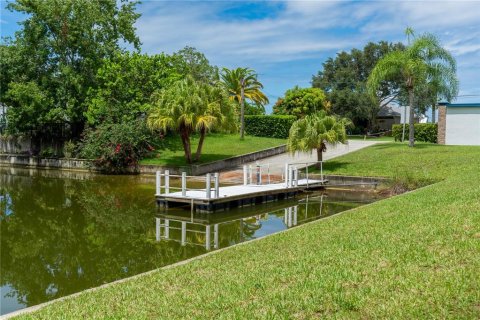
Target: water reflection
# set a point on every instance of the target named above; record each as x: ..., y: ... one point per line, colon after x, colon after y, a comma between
x: 214, y: 231
x: 63, y: 232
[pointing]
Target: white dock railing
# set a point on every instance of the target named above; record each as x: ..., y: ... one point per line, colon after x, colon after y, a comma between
x: 290, y: 178
x: 292, y: 173
x: 208, y: 184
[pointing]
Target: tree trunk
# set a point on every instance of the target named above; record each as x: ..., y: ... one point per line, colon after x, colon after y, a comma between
x: 200, y: 144
x: 319, y: 156
x: 186, y: 145
x: 411, y: 133
x: 433, y: 112
x: 242, y: 109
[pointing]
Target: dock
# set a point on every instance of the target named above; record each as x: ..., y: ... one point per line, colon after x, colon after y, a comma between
x: 252, y: 191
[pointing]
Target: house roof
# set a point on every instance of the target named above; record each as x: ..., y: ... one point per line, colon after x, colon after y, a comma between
x: 392, y: 110
x: 460, y: 105
x: 389, y: 111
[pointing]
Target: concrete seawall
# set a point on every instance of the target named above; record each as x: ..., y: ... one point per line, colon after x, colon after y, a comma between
x: 18, y: 160
x: 26, y: 161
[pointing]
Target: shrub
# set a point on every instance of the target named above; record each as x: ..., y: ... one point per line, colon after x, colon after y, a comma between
x: 47, y: 152
x: 68, y: 149
x: 115, y: 148
x: 276, y: 126
x: 426, y: 132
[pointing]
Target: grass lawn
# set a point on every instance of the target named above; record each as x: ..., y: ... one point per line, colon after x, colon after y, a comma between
x: 370, y: 138
x: 413, y: 256
x: 424, y: 161
x: 215, y: 147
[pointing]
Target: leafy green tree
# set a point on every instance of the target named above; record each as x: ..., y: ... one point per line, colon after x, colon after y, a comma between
x: 314, y: 131
x: 301, y: 101
x: 344, y: 80
x: 189, y: 61
x: 254, y: 109
x: 125, y: 86
x: 423, y: 61
x: 59, y: 48
x: 190, y: 106
x: 242, y: 84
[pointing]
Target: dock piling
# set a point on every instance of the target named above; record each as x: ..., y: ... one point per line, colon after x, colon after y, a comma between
x: 184, y: 184
x: 245, y: 175
x: 167, y: 181
x: 184, y: 233
x: 295, y: 177
x: 208, y: 185
x: 157, y: 228
x: 215, y: 236
x: 207, y: 237
x: 158, y: 183
x: 167, y: 228
x: 217, y: 185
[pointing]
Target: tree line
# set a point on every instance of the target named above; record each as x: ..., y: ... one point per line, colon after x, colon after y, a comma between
x: 66, y: 75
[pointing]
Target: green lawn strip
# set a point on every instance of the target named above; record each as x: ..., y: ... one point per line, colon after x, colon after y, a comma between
x: 370, y: 138
x: 425, y: 161
x: 216, y: 147
x: 416, y: 255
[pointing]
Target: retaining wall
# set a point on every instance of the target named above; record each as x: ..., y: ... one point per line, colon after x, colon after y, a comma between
x: 219, y: 165
x: 26, y: 161
x: 12, y: 145
x: 338, y: 180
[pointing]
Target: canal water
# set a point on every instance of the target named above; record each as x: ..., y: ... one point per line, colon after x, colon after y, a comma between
x: 64, y: 232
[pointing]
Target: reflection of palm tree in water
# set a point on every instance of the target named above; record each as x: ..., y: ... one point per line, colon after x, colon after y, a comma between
x: 249, y: 229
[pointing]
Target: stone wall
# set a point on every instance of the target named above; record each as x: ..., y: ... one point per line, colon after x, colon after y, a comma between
x: 14, y: 145
x: 442, y: 124
x: 26, y: 161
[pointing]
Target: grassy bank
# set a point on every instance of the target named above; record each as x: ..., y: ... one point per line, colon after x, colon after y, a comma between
x: 412, y: 256
x: 216, y: 147
x: 424, y: 161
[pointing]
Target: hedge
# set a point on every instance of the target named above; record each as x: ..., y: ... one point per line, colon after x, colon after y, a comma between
x: 426, y: 132
x: 273, y: 126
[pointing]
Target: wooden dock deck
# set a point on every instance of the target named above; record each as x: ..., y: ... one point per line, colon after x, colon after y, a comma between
x: 236, y: 196
x: 225, y: 197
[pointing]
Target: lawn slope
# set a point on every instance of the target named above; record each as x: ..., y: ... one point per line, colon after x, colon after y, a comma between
x: 412, y: 256
x: 216, y: 146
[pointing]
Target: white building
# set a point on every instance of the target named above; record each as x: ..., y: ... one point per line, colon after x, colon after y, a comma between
x: 459, y: 124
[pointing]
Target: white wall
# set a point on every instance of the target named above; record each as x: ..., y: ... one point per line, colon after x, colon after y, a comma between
x: 463, y: 126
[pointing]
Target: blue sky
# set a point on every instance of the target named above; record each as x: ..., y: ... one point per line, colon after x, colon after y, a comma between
x: 286, y: 42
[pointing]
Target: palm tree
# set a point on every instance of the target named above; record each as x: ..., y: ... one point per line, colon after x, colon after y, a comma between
x: 443, y: 85
x: 315, y: 131
x: 242, y: 84
x: 189, y: 106
x: 423, y: 61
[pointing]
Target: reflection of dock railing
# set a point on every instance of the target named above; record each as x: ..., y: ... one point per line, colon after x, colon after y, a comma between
x: 184, y: 230
x: 210, y: 230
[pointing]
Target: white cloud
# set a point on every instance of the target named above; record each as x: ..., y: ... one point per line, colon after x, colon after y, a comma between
x: 301, y: 30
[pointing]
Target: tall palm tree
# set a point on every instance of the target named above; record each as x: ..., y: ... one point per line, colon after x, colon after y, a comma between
x: 315, y: 131
x: 242, y: 84
x: 443, y: 85
x: 423, y: 61
x: 189, y: 106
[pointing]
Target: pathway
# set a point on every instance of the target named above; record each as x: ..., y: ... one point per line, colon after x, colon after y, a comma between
x: 277, y: 163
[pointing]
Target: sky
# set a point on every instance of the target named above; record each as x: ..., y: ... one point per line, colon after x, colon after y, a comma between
x: 286, y: 42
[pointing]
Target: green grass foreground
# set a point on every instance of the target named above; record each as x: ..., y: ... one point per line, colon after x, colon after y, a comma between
x: 413, y: 256
x: 216, y: 147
